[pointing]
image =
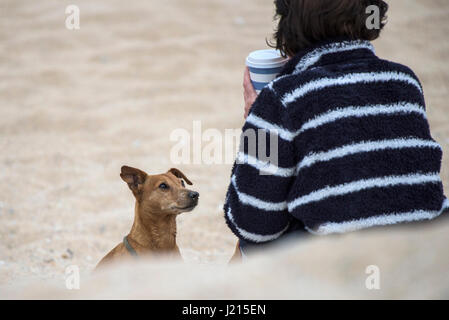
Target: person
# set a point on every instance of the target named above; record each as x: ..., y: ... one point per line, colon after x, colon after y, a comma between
x: 353, y: 142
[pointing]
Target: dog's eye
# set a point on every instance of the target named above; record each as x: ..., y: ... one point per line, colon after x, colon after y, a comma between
x: 182, y: 183
x: 163, y: 186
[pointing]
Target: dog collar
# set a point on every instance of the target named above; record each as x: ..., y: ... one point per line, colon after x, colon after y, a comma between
x: 128, y: 247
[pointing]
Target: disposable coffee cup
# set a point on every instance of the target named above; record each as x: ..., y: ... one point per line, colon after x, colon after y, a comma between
x: 264, y: 66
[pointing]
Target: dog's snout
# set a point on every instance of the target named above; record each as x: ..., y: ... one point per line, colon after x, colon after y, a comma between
x: 193, y: 195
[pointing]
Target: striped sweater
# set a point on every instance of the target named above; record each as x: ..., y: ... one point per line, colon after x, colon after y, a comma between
x: 354, y: 148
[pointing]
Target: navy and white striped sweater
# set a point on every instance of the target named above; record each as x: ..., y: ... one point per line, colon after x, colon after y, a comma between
x: 355, y: 148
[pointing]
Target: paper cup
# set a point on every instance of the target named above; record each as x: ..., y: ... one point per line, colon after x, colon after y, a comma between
x: 264, y: 66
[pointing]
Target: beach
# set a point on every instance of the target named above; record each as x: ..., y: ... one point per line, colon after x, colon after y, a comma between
x: 76, y: 105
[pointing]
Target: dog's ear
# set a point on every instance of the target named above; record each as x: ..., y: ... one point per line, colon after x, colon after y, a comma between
x: 179, y: 174
x: 134, y: 178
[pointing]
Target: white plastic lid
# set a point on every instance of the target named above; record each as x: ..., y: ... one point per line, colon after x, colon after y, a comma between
x: 268, y: 58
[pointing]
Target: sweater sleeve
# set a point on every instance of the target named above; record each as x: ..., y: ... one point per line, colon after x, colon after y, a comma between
x: 256, y: 200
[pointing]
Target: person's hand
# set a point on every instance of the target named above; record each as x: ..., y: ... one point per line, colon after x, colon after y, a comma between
x: 249, y: 93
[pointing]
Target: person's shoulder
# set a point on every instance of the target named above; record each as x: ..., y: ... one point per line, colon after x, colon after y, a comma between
x: 403, y: 72
x: 397, y: 67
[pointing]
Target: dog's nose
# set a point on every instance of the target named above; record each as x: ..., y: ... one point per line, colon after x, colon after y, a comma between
x: 194, y: 195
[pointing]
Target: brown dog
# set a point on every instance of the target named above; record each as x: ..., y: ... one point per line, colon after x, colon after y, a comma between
x: 159, y: 199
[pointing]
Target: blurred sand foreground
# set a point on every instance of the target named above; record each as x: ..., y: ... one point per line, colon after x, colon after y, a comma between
x: 76, y: 105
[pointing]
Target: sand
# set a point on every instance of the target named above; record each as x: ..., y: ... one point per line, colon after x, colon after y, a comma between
x: 76, y: 105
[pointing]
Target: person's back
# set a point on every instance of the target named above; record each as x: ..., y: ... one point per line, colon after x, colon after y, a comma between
x: 354, y: 148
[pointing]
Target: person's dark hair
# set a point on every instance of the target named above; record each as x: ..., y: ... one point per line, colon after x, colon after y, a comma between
x: 305, y: 22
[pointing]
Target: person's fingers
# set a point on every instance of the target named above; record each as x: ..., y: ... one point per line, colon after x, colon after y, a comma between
x: 247, y: 84
x: 246, y: 75
x: 249, y: 93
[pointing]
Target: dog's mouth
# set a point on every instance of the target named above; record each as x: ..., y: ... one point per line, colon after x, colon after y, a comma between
x: 187, y: 208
